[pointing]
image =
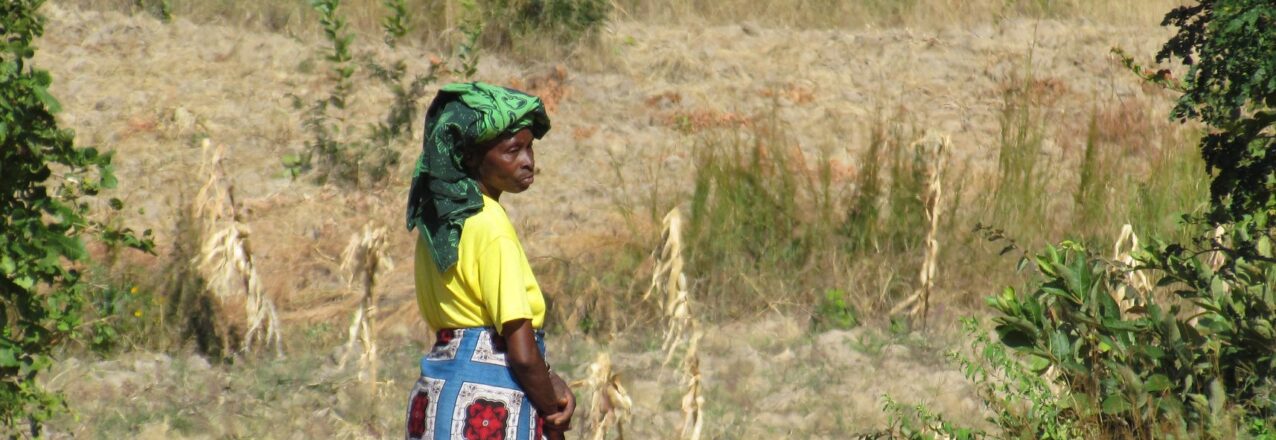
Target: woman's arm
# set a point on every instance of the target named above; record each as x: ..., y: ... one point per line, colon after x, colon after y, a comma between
x: 555, y: 403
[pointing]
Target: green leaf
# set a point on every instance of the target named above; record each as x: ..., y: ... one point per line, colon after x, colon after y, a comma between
x: 1038, y: 364
x: 1152, y: 351
x: 24, y: 282
x: 7, y: 266
x: 1060, y: 345
x: 116, y: 204
x: 1157, y: 383
x: 1115, y: 404
x: 8, y: 358
x: 48, y: 100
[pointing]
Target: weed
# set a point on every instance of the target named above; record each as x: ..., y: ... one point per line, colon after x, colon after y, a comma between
x: 1020, y: 193
x: 833, y: 312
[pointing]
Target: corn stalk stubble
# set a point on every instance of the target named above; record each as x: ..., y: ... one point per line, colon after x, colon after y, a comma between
x: 935, y: 149
x: 226, y: 258
x: 610, y: 404
x: 669, y: 282
x: 365, y: 257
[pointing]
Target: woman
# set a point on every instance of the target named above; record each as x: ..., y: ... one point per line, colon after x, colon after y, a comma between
x: 486, y: 377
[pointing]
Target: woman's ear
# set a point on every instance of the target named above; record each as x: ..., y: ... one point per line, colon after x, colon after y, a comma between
x: 471, y: 158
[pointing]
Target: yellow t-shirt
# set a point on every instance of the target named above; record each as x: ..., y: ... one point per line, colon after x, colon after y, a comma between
x: 491, y: 283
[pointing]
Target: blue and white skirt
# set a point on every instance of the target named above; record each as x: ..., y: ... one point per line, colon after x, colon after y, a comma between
x: 466, y: 391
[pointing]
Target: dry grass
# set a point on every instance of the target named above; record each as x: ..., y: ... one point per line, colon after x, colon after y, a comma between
x: 885, y: 13
x: 437, y: 22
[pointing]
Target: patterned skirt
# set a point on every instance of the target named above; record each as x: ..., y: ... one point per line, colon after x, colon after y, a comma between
x: 466, y: 391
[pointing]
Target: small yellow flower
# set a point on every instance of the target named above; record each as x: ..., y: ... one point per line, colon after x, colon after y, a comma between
x: 137, y: 313
x: 133, y: 291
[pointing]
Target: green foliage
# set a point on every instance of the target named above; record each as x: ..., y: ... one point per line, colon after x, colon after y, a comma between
x: 885, y: 211
x: 565, y: 23
x: 1019, y: 200
x: 467, y: 51
x: 122, y: 315
x: 396, y: 22
x: 1175, y: 186
x: 763, y: 215
x: 834, y: 312
x: 1132, y: 361
x: 1020, y: 400
x: 744, y: 205
x: 1230, y: 85
x: 162, y: 9
x: 919, y: 423
x: 44, y: 180
x: 754, y: 210
x: 343, y: 151
x: 1090, y: 199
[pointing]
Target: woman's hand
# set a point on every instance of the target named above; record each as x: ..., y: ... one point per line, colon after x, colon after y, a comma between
x: 562, y: 420
x: 548, y: 393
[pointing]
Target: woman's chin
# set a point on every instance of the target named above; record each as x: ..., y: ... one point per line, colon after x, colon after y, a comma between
x: 524, y: 184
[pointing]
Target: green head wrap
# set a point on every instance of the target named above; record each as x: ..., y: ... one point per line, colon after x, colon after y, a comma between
x: 462, y: 115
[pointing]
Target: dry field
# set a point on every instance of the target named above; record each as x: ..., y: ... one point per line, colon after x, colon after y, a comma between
x: 625, y: 114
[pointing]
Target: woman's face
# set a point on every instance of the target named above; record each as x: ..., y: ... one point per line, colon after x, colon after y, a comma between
x: 509, y: 165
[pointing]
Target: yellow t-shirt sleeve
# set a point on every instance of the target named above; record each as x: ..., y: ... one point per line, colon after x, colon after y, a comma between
x: 502, y: 282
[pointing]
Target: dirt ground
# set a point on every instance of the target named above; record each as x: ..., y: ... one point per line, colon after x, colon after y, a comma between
x: 151, y: 90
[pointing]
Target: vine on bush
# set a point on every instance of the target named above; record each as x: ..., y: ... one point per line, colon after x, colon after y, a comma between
x: 44, y: 178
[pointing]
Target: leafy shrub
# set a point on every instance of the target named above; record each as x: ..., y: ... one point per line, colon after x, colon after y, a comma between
x: 1022, y: 403
x: 337, y: 148
x: 41, y: 287
x: 1133, y: 363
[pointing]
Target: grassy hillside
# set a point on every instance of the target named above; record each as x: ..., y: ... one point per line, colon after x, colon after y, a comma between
x: 792, y: 135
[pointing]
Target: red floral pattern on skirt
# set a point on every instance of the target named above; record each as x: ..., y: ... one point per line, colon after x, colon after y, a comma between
x: 539, y: 423
x: 444, y: 337
x: 416, y: 414
x: 486, y: 420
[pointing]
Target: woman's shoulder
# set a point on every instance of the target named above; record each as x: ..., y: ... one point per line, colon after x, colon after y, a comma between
x: 490, y: 223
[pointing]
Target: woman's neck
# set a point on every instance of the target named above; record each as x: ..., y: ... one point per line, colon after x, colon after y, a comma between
x: 494, y: 193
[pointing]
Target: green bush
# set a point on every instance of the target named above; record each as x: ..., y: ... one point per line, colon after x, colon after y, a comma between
x: 1152, y: 365
x: 44, y: 178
